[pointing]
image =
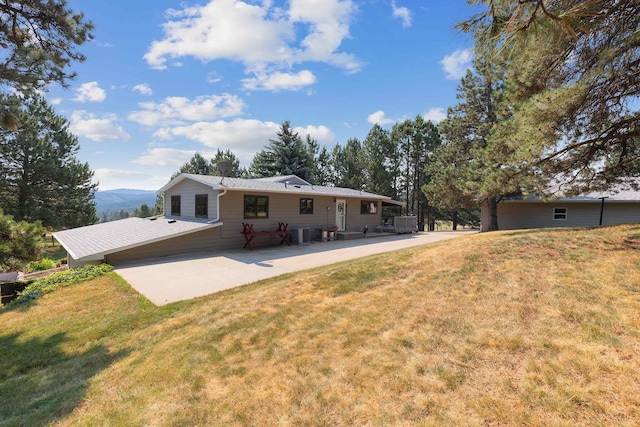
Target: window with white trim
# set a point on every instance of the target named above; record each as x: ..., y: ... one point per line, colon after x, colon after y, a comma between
x: 202, y: 205
x: 559, y: 214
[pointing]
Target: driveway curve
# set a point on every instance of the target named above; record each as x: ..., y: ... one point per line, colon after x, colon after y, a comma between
x: 182, y: 277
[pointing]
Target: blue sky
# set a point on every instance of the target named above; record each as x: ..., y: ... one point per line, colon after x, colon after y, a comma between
x: 166, y: 78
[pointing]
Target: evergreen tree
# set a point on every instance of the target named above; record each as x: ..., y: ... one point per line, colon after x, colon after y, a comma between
x: 348, y: 164
x: 415, y: 141
x: 471, y: 168
x: 323, y: 168
x: 286, y: 155
x: 144, y: 211
x: 263, y: 164
x: 226, y: 156
x: 198, y: 165
x: 158, y: 208
x: 378, y: 152
x: 43, y: 180
x: 39, y: 38
x: 18, y: 242
x: 572, y: 82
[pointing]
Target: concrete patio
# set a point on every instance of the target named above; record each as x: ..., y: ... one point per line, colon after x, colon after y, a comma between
x: 182, y: 277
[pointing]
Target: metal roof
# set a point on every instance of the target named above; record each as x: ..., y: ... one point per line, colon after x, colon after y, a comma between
x: 615, y: 194
x: 269, y: 186
x: 93, y: 242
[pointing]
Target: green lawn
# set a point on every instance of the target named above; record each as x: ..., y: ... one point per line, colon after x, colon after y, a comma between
x: 507, y: 328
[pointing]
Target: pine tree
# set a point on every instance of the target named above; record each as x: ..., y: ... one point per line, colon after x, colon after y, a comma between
x: 286, y: 155
x: 572, y: 82
x: 471, y: 167
x: 39, y: 38
x: 226, y: 156
x: 18, y: 242
x: 43, y: 180
x: 378, y: 151
x: 348, y: 164
x: 198, y: 165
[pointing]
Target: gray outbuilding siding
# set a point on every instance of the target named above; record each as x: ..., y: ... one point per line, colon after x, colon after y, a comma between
x: 519, y: 214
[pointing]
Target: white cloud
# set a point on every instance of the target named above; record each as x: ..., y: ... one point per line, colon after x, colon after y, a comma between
x: 90, y: 92
x: 280, y: 81
x: 243, y: 137
x: 170, y: 156
x: 456, y: 65
x: 328, y: 25
x: 435, y: 115
x: 55, y: 101
x: 143, y: 88
x: 322, y: 134
x: 403, y: 13
x: 178, y: 110
x: 89, y: 125
x: 261, y: 36
x: 112, y: 179
x: 213, y: 77
x: 379, y: 118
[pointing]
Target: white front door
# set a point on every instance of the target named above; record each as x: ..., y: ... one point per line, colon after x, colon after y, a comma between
x: 341, y: 214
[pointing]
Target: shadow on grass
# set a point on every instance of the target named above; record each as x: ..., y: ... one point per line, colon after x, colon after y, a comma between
x: 41, y: 383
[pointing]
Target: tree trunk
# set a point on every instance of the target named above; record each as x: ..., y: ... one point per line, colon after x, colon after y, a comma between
x: 492, y: 208
x: 454, y: 219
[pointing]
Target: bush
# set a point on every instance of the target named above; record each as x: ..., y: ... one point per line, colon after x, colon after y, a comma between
x: 43, y: 264
x: 18, y: 242
x: 59, y: 280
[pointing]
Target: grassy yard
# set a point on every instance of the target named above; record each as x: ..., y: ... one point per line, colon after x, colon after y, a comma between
x: 51, y: 249
x: 507, y: 328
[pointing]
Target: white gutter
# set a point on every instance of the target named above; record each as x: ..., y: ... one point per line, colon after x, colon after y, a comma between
x: 218, y: 206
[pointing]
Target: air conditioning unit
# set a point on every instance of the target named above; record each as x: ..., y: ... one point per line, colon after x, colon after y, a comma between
x: 300, y: 236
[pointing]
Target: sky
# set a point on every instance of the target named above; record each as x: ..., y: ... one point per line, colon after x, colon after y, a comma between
x: 164, y: 79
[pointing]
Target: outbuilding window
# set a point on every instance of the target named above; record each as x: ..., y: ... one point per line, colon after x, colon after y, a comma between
x: 560, y: 214
x: 175, y: 205
x: 256, y: 207
x: 202, y: 206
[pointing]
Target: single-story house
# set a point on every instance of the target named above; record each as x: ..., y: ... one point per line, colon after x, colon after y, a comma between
x: 205, y: 212
x: 616, y: 207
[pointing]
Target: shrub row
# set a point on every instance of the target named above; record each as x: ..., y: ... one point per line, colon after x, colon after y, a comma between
x: 61, y: 279
x: 43, y: 264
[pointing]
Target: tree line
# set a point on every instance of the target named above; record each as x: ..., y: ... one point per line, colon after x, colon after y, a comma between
x: 550, y: 108
x: 390, y: 163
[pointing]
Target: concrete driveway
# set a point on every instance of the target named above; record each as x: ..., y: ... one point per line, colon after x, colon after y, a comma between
x: 182, y: 277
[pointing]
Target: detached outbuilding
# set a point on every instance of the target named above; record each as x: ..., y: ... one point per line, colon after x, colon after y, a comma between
x: 593, y: 209
x: 207, y: 212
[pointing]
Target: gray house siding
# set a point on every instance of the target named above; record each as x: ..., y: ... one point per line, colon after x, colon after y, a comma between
x: 282, y: 208
x: 286, y: 208
x: 527, y: 214
x: 187, y: 190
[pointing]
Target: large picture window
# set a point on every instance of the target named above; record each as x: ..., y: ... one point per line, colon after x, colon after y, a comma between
x: 560, y: 214
x: 175, y: 205
x: 202, y: 206
x: 306, y: 206
x: 256, y: 206
x: 368, y: 207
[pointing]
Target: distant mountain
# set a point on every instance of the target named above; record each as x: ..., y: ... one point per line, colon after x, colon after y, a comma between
x: 110, y: 202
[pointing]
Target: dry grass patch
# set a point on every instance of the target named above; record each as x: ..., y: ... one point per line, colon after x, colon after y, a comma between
x: 532, y: 327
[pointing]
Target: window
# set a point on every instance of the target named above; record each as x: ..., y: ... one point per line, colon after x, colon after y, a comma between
x: 202, y: 206
x: 175, y: 205
x: 560, y: 214
x: 306, y: 206
x: 368, y: 207
x: 256, y: 206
